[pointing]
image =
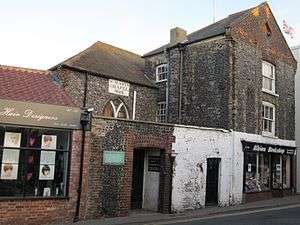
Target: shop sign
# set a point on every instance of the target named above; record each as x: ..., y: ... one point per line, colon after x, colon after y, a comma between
x: 154, y: 163
x: 113, y: 157
x: 118, y: 87
x: 258, y: 147
x: 36, y: 114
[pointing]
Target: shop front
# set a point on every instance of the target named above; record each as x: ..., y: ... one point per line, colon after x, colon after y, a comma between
x: 37, y: 143
x: 268, y: 170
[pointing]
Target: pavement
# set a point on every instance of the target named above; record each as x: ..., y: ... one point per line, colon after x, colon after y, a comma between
x: 145, y: 217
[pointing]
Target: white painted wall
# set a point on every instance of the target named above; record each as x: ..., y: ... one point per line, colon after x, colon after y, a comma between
x: 192, y: 147
x: 151, y: 184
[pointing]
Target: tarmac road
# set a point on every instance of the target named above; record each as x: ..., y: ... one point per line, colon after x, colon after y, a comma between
x: 289, y: 215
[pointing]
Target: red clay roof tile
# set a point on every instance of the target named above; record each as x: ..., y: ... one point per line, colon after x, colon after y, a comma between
x: 30, y: 85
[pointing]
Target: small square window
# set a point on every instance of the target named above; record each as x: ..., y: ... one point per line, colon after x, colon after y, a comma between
x: 161, y: 72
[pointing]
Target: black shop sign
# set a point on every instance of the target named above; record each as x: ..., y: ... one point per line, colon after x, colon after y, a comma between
x: 266, y: 148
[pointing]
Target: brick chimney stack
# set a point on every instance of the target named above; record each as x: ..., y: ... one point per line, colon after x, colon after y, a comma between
x: 177, y: 35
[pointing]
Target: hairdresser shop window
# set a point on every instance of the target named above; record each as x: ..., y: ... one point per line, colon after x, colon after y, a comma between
x: 33, y: 162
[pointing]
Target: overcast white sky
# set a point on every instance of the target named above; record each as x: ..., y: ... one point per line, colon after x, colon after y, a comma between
x: 40, y: 34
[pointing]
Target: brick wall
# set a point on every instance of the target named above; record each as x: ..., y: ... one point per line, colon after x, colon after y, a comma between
x: 110, y: 185
x: 98, y: 95
x: 47, y: 210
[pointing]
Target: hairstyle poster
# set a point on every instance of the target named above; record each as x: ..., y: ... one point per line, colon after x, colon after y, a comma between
x: 9, y: 171
x: 49, y: 141
x: 46, y: 172
x: 10, y: 161
x: 12, y: 139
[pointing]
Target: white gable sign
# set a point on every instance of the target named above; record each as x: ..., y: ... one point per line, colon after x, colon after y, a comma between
x: 118, y: 87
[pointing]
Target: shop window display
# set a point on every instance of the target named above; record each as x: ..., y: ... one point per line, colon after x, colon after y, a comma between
x: 33, y: 162
x: 257, y: 172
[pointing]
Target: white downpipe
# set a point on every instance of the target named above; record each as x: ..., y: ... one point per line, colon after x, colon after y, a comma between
x: 134, y: 105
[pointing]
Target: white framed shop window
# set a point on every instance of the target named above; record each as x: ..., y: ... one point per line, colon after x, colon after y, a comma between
x: 268, y: 73
x: 162, y: 72
x: 161, y: 112
x: 268, y: 119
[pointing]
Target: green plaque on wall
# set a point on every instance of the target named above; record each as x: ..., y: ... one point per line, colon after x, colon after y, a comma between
x: 113, y: 157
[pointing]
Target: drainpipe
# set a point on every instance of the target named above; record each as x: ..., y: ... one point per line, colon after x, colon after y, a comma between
x: 180, y: 47
x: 79, y: 190
x: 168, y: 87
x: 134, y: 105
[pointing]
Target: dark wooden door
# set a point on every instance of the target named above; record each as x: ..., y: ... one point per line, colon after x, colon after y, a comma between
x: 137, y: 179
x: 212, y: 180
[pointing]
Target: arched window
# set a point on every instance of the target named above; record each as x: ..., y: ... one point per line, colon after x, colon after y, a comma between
x: 115, y: 108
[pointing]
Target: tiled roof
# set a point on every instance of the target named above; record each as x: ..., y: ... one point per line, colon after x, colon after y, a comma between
x: 110, y: 61
x: 213, y: 30
x: 29, y: 85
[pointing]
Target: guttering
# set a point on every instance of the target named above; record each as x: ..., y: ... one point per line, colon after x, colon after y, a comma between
x: 181, y: 49
x: 79, y: 190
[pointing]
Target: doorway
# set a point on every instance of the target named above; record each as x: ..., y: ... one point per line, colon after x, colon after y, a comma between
x: 137, y: 179
x: 212, y: 181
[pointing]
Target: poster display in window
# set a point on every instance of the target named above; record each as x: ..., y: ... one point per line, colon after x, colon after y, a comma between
x: 47, y: 160
x: 12, y: 139
x: 47, y: 165
x: 10, y: 157
x: 49, y: 141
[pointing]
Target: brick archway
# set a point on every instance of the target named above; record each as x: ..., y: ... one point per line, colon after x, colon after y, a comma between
x: 138, y: 141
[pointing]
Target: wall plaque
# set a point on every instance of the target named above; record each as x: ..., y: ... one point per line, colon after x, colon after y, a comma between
x: 113, y: 157
x: 118, y: 87
x: 36, y: 114
x: 154, y: 163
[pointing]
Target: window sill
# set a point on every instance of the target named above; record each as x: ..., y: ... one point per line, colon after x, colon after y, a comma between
x: 270, y: 92
x: 269, y: 135
x: 29, y: 198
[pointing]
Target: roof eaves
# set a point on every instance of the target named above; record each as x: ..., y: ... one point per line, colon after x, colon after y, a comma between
x: 79, y: 69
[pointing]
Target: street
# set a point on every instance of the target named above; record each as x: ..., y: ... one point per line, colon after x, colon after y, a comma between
x: 279, y: 216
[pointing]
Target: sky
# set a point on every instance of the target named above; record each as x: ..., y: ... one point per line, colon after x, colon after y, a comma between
x: 40, y: 34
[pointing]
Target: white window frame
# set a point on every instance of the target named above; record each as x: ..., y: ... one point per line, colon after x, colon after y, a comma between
x: 161, y: 112
x: 158, y: 74
x: 271, y: 77
x: 117, y: 110
x: 267, y: 133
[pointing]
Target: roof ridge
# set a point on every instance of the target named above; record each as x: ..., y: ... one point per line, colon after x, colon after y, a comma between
x: 122, y: 49
x: 23, y: 69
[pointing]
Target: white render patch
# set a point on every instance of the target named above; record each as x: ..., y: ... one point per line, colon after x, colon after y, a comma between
x: 192, y: 147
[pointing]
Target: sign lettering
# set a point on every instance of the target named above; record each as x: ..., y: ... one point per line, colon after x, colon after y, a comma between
x: 35, y: 114
x: 118, y: 87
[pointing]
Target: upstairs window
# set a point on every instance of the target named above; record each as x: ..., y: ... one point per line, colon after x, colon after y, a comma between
x: 116, y: 109
x: 161, y: 112
x: 268, y: 71
x: 268, y: 119
x: 162, y: 72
